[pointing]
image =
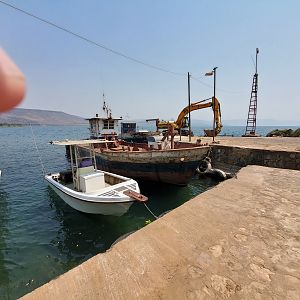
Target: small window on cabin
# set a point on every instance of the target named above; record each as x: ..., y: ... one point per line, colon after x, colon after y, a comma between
x: 105, y: 124
x: 111, y: 124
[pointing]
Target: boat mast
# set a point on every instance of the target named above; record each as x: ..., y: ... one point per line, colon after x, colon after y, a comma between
x: 106, y: 109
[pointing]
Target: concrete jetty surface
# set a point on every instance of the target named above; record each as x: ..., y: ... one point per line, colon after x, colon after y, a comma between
x: 239, y: 240
x: 267, y: 143
x: 264, y: 143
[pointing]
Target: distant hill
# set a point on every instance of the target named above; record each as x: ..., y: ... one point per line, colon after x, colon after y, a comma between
x: 37, y: 116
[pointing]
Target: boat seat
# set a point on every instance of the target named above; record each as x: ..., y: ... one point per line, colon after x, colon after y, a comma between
x: 85, y: 170
x: 86, y: 163
x: 92, y: 182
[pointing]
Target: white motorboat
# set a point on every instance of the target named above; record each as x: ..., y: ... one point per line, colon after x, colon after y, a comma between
x: 93, y: 191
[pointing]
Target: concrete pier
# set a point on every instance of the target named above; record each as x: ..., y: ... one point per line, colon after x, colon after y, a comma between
x: 275, y: 152
x: 239, y: 240
x: 289, y: 144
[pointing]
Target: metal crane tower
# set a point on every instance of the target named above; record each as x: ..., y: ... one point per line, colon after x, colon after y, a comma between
x: 251, y: 120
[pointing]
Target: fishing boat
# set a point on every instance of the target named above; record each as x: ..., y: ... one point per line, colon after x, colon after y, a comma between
x: 172, y: 166
x: 148, y: 156
x: 89, y: 190
x: 105, y: 127
x: 160, y: 159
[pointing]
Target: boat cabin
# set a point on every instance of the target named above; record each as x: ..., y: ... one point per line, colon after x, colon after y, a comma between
x: 104, y: 128
x: 128, y: 128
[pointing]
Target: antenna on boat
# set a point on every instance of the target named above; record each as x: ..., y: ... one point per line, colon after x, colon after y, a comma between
x: 104, y: 104
x: 105, y: 108
x: 37, y: 150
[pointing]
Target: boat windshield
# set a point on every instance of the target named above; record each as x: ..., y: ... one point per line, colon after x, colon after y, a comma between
x: 150, y: 139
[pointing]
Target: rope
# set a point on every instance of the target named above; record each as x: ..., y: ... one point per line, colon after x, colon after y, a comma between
x: 150, y: 211
x: 38, y: 152
x: 209, y: 151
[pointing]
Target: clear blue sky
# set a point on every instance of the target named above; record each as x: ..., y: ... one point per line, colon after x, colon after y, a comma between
x: 67, y: 74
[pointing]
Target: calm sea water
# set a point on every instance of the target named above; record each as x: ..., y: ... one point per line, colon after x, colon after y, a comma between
x: 240, y: 130
x: 226, y: 130
x: 40, y: 236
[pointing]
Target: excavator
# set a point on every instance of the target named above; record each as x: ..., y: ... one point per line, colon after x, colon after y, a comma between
x: 181, y: 119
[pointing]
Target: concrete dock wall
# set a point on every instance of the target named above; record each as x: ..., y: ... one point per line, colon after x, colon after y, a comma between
x: 239, y: 240
x: 242, y: 156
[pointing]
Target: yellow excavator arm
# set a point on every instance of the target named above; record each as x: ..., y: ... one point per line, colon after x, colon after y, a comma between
x: 179, y: 123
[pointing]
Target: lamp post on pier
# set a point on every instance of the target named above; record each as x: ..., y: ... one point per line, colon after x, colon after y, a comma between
x: 213, y: 72
x: 189, y: 101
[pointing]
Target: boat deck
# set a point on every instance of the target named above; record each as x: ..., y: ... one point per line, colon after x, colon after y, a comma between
x: 71, y: 187
x: 127, y: 148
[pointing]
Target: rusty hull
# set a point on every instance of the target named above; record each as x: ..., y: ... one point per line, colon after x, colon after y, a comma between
x: 176, y: 166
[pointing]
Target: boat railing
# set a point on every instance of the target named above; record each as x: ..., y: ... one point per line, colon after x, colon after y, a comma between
x: 181, y: 145
x: 112, y: 180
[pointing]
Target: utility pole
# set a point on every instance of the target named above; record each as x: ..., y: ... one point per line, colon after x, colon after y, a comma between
x: 189, y: 98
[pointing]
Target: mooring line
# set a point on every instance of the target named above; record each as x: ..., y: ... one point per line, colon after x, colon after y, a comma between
x: 37, y: 149
x: 150, y: 211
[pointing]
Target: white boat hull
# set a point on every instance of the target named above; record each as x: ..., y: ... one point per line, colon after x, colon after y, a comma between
x: 116, y: 209
x: 95, y: 204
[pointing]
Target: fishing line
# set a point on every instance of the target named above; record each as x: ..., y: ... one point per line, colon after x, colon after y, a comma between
x: 38, y: 152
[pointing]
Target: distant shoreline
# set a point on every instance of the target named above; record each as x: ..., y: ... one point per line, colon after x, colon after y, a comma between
x: 12, y: 125
x: 23, y: 125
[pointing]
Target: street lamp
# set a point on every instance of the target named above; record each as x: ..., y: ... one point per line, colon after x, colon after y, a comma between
x: 213, y: 72
x: 189, y: 100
